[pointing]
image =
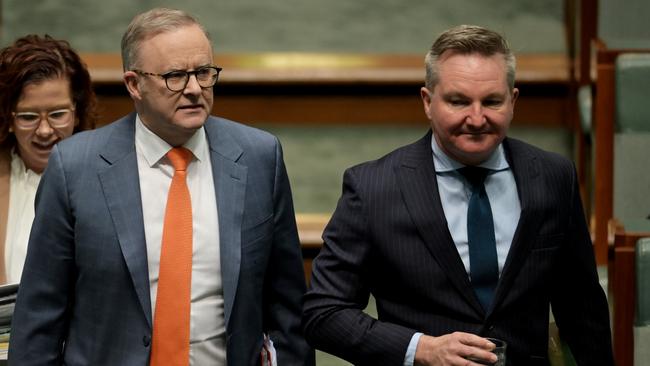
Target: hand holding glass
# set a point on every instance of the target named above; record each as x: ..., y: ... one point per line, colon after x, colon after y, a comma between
x: 499, y: 351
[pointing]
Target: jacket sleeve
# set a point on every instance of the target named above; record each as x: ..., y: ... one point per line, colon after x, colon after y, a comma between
x: 284, y: 281
x: 578, y: 302
x: 41, y: 317
x: 333, y: 317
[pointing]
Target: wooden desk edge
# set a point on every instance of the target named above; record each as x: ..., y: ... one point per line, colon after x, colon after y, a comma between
x: 295, y: 67
x: 310, y: 229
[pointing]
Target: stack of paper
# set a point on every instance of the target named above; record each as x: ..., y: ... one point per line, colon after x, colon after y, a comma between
x: 7, y: 302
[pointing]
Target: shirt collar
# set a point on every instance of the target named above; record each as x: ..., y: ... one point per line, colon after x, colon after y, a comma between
x: 18, y: 168
x: 154, y: 148
x: 443, y: 163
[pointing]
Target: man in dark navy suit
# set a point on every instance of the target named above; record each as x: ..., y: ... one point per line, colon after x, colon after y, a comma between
x: 462, y: 235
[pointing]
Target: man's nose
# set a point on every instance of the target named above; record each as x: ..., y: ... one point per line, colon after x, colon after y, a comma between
x: 475, y: 115
x: 192, y: 86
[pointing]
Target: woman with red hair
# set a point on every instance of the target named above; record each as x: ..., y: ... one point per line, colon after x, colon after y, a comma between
x: 45, y: 96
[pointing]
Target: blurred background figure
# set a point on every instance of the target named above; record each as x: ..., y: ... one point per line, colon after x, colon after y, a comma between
x: 45, y: 96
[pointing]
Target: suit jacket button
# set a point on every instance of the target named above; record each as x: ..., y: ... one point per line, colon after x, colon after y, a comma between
x: 146, y: 341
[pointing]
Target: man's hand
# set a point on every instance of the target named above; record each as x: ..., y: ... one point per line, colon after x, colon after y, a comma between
x: 453, y: 349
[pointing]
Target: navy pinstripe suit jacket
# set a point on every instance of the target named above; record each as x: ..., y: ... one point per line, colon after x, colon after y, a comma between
x: 389, y: 237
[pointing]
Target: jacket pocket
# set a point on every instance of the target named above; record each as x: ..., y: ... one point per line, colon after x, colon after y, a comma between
x: 546, y: 242
x: 257, y: 231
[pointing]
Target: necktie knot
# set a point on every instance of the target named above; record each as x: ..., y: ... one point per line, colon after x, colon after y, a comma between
x: 475, y: 175
x: 180, y: 158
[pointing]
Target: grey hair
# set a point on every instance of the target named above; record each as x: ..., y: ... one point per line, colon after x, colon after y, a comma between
x: 149, y: 24
x: 468, y: 39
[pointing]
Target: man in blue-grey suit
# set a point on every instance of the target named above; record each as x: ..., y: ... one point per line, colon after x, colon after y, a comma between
x: 88, y: 291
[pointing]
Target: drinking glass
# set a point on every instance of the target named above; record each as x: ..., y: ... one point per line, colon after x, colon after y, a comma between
x: 499, y: 350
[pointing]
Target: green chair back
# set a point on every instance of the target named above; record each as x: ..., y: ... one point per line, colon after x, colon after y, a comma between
x: 643, y: 282
x: 633, y: 92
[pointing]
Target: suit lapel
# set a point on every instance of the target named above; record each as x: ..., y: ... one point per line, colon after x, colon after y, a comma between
x: 526, y: 170
x: 121, y: 186
x: 230, y: 188
x: 417, y: 181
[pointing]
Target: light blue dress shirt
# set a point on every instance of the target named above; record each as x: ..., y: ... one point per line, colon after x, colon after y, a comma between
x: 501, y: 189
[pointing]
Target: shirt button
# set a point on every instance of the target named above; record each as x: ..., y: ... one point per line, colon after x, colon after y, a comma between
x: 146, y: 340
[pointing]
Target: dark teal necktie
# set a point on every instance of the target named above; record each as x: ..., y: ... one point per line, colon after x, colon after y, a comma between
x: 483, y: 265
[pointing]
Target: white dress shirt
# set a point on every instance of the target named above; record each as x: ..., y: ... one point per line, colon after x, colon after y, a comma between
x: 23, y: 183
x: 207, y: 324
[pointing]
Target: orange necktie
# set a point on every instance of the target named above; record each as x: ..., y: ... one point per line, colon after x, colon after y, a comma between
x: 171, y: 325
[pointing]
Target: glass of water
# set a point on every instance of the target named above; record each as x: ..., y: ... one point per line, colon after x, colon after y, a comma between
x: 499, y: 350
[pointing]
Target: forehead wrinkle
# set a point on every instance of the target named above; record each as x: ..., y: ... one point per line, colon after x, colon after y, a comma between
x: 192, y: 62
x: 461, y: 73
x: 468, y: 87
x: 472, y: 68
x: 471, y: 87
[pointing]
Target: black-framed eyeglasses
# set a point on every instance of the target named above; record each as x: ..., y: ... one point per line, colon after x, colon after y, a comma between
x: 176, y: 80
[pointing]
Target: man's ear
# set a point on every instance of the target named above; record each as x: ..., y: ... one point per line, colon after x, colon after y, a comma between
x: 515, y: 94
x: 426, y: 101
x: 131, y: 82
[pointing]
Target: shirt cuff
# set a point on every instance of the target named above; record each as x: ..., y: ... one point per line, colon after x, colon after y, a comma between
x: 409, y: 359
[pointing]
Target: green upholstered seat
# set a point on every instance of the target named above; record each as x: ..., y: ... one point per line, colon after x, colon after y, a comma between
x: 633, y: 92
x: 584, y: 105
x: 643, y: 282
x: 632, y: 137
x: 642, y: 322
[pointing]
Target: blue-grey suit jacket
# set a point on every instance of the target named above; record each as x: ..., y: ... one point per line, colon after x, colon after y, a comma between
x: 84, y: 297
